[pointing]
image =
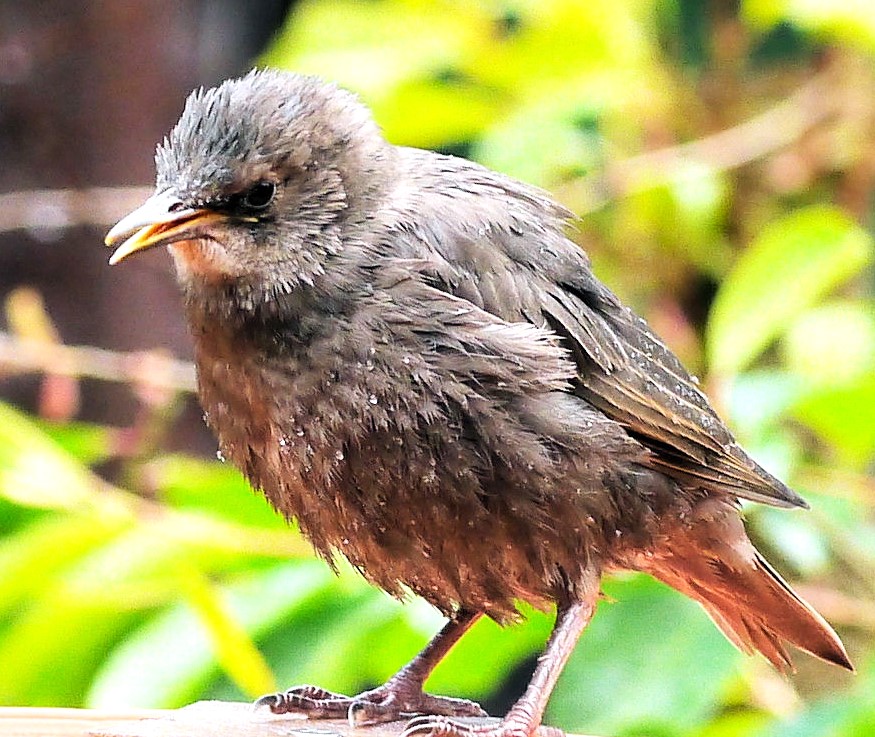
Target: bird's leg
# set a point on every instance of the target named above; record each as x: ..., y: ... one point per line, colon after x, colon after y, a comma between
x: 524, y: 718
x: 401, y: 696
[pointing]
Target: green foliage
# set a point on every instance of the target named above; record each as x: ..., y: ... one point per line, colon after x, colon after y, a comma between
x: 850, y: 21
x: 649, y: 624
x: 792, y: 264
x: 178, y: 583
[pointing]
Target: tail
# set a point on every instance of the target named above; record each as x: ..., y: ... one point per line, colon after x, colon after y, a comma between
x: 709, y: 558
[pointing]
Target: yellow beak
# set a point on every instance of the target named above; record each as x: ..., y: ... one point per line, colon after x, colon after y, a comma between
x: 160, y: 220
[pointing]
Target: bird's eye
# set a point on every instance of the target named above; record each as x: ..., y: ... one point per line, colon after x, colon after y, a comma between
x: 259, y: 195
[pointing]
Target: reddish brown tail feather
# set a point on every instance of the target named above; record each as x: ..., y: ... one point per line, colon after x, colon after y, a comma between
x: 710, y: 558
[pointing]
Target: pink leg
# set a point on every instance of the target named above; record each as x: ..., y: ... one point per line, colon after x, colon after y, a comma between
x: 524, y: 718
x: 400, y: 697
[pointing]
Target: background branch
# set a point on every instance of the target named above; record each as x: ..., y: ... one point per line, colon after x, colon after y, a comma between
x: 41, y: 209
x: 152, y: 368
x: 764, y: 134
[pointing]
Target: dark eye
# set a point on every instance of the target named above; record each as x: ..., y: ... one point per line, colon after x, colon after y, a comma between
x: 259, y: 195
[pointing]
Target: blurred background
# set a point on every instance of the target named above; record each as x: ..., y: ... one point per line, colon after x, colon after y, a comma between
x: 721, y: 156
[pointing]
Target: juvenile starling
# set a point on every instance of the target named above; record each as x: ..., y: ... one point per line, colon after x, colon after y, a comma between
x: 403, y: 351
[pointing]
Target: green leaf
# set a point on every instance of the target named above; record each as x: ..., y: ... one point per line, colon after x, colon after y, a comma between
x: 337, y: 616
x: 792, y: 264
x: 795, y: 537
x: 432, y: 114
x: 30, y: 563
x: 367, y: 640
x: 650, y: 663
x: 488, y: 654
x: 143, y: 566
x: 833, y: 344
x: 35, y: 471
x: 233, y: 647
x: 557, y: 126
x: 216, y: 489
x: 171, y: 659
x: 851, y: 21
x: 50, y: 652
x: 735, y: 724
x: 760, y: 400
x: 377, y: 46
x: 89, y: 444
x: 845, y: 418
x: 848, y: 717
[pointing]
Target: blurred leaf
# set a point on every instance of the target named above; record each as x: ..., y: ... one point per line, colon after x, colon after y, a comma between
x: 845, y: 418
x: 363, y: 644
x: 489, y: 653
x: 793, y: 263
x: 218, y: 489
x: 89, y: 444
x: 377, y: 46
x: 848, y: 20
x: 234, y: 649
x: 794, y: 535
x: 142, y: 566
x: 651, y: 663
x: 30, y: 563
x: 51, y: 650
x: 833, y: 344
x: 438, y: 73
x: 429, y: 114
x: 678, y: 215
x: 37, y: 472
x: 735, y: 724
x: 562, y: 131
x: 170, y: 660
x: 852, y: 716
x: 557, y: 42
x: 295, y: 646
x: 758, y: 403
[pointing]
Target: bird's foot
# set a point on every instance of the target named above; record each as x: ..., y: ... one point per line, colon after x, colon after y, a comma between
x: 513, y: 725
x: 312, y: 701
x: 386, y: 703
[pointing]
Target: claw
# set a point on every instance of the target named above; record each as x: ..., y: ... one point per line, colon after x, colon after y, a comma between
x: 387, y: 703
x: 437, y: 725
x: 441, y: 726
x: 312, y: 701
x: 272, y: 701
x: 360, y: 711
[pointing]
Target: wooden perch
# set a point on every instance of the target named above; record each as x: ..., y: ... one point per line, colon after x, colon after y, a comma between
x: 203, y: 719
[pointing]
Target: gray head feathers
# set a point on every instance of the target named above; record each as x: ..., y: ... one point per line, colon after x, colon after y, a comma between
x: 244, y: 127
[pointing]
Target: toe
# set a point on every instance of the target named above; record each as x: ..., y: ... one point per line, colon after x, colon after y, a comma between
x: 441, y: 726
x: 314, y: 702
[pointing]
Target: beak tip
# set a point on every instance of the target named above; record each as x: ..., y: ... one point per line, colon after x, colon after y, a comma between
x: 158, y: 221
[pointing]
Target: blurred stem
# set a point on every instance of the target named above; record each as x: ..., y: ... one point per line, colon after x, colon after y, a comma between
x: 847, y: 551
x: 42, y: 209
x: 776, y: 128
x: 813, y: 103
x: 150, y: 369
x: 841, y: 483
x: 140, y: 443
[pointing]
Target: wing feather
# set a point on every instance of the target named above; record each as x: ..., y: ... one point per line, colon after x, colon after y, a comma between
x: 514, y: 261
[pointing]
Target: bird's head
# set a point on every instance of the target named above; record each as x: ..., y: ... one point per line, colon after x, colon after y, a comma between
x: 259, y: 183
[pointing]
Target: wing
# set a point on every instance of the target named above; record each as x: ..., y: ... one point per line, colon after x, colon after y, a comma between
x: 501, y: 246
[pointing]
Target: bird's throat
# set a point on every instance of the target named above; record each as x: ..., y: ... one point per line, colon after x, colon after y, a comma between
x: 201, y: 259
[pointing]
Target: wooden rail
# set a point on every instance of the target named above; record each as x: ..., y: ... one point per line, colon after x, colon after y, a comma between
x: 203, y: 719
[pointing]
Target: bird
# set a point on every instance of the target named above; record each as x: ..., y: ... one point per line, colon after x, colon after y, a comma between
x: 405, y: 352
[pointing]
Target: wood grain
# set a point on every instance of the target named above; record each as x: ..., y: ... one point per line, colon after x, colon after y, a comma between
x: 202, y: 719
